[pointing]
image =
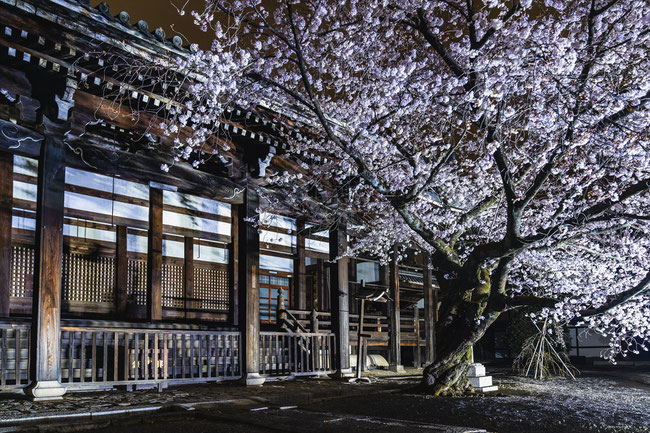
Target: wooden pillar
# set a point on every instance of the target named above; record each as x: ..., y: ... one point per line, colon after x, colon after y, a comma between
x: 154, y: 255
x: 121, y: 270
x: 299, y: 269
x: 6, y: 206
x: 249, y: 291
x: 339, y: 294
x: 352, y: 275
x: 417, y: 362
x: 320, y: 301
x: 45, y: 347
x: 395, y: 322
x: 430, y: 310
x: 188, y: 276
x: 233, y: 265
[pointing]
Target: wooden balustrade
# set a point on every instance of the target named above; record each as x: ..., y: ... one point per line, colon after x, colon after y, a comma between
x: 14, y: 355
x: 97, y: 357
x: 114, y: 356
x: 296, y: 354
x: 375, y: 325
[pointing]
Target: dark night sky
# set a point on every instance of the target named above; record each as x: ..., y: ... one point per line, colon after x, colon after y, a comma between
x: 161, y: 13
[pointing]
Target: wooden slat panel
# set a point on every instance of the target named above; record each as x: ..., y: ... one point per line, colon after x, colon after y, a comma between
x: 3, y: 357
x: 82, y: 357
x: 6, y: 206
x: 116, y: 353
x: 17, y: 356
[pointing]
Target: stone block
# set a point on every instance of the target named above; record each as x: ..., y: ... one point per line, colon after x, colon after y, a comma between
x: 480, y: 382
x: 476, y: 370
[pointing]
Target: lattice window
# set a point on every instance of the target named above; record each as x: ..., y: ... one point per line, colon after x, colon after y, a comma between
x: 172, y: 285
x: 211, y: 288
x: 88, y: 278
x: 22, y: 272
x: 270, y: 286
x: 136, y: 285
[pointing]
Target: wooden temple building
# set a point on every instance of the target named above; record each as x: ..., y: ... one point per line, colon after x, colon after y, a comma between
x: 116, y: 273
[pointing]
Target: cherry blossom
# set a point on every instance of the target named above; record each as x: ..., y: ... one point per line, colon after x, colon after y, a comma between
x: 507, y: 139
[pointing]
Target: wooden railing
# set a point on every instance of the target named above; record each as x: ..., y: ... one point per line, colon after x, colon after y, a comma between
x: 93, y: 357
x: 376, y: 325
x: 113, y: 356
x: 296, y: 354
x: 14, y: 355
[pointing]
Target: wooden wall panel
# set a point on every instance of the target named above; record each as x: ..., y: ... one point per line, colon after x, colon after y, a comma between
x: 6, y: 205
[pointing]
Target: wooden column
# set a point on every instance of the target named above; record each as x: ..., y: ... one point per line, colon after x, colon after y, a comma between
x: 394, y: 331
x: 6, y: 206
x: 154, y: 255
x: 45, y: 347
x: 233, y: 265
x: 299, y: 269
x: 320, y: 302
x: 417, y: 362
x: 249, y: 291
x: 121, y: 270
x: 339, y: 295
x: 188, y: 276
x: 430, y: 309
x: 352, y: 275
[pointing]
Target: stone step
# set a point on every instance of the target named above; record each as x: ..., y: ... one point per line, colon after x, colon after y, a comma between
x: 487, y: 389
x: 480, y: 382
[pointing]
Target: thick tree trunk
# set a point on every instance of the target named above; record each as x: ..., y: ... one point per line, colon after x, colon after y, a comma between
x: 447, y: 375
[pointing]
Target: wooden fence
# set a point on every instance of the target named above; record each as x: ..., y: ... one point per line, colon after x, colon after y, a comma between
x: 375, y: 325
x: 14, y: 355
x: 296, y: 354
x: 94, y: 357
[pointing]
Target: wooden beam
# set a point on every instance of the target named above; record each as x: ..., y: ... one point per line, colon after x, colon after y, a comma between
x: 249, y: 291
x: 45, y: 347
x: 136, y: 167
x: 154, y: 255
x: 121, y: 270
x: 299, y: 269
x: 430, y: 307
x: 188, y: 274
x: 339, y: 295
x: 394, y: 347
x: 6, y: 208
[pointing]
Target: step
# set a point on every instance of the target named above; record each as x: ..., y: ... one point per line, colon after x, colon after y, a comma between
x: 487, y: 389
x: 480, y: 382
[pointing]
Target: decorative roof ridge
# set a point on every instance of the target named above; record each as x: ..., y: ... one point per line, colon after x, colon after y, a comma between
x: 120, y: 22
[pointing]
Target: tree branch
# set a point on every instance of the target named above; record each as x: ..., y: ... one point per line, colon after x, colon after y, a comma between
x: 621, y: 298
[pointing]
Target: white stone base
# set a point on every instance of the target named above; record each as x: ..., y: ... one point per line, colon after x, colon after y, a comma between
x: 476, y: 370
x: 344, y: 373
x: 478, y: 379
x: 487, y: 389
x: 45, y: 390
x: 397, y: 368
x: 253, y: 379
x: 480, y: 382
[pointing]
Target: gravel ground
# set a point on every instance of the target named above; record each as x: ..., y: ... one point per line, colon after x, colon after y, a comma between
x: 607, y: 401
x: 589, y: 404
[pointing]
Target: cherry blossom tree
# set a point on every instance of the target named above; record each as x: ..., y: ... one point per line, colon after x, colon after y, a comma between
x: 510, y: 140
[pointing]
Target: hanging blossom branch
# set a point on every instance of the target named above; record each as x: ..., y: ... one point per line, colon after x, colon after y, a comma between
x: 508, y: 140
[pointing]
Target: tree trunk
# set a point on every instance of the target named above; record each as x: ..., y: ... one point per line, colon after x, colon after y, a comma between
x: 447, y: 375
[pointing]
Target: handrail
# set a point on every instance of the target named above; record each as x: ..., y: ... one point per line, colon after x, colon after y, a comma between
x: 294, y: 321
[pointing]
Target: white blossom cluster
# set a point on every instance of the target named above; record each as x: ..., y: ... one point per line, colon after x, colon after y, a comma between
x: 413, y: 102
